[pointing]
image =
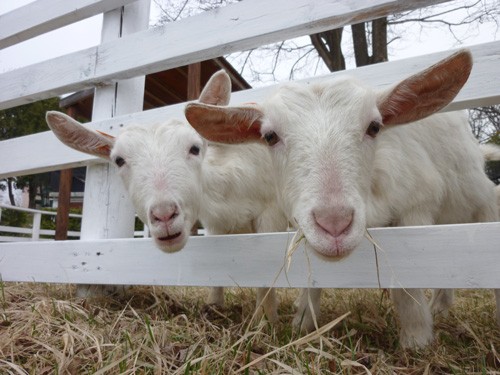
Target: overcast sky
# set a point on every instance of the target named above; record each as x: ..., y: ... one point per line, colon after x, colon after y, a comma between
x: 86, y: 33
x: 71, y: 38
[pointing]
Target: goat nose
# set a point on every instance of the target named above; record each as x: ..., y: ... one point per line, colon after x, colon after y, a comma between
x: 335, y: 221
x: 163, y: 213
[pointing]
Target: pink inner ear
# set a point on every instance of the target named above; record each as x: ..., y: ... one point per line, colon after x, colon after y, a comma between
x: 105, y: 134
x: 426, y: 92
x: 103, y: 150
x: 233, y: 133
x: 225, y: 124
x: 217, y: 91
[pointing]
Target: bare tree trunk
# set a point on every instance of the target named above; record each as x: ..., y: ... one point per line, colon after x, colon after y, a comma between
x: 328, y: 45
x: 379, y: 42
x: 360, y: 44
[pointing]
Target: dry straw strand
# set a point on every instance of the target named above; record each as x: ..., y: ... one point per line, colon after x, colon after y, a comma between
x: 376, y: 247
x: 350, y: 363
x: 297, y: 238
x: 301, y: 341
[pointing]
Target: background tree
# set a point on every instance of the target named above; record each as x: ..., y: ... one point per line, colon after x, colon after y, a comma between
x: 24, y: 120
x: 485, y: 123
x: 359, y: 45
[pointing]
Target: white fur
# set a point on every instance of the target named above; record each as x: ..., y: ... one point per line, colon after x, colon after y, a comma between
x: 490, y: 151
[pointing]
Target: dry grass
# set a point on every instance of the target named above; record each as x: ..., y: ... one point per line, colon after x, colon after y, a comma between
x: 43, y: 330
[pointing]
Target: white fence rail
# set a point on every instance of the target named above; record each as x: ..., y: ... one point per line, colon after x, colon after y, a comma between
x: 456, y: 256
x: 35, y: 230
x: 43, y: 16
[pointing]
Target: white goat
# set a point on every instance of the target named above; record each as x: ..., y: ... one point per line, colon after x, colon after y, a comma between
x: 174, y: 177
x: 343, y: 164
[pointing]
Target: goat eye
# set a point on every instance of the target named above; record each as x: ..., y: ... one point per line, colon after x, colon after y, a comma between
x: 271, y: 138
x: 119, y: 161
x: 194, y: 150
x: 373, y: 129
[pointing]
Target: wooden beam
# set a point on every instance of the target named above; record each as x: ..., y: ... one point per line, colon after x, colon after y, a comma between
x: 236, y: 27
x: 70, y: 100
x: 193, y: 93
x: 194, y: 81
x: 236, y: 78
x: 63, y: 204
x: 43, y: 16
x: 64, y: 198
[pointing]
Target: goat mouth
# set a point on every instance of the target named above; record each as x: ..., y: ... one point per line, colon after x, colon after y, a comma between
x: 170, y: 237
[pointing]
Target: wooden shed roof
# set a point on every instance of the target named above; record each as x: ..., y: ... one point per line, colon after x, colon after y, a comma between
x: 161, y: 88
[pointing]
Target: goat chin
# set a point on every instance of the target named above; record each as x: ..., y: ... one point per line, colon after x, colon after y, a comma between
x: 171, y: 243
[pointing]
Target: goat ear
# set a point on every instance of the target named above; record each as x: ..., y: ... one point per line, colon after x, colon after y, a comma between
x: 225, y: 124
x: 426, y: 92
x: 217, y: 91
x: 75, y: 135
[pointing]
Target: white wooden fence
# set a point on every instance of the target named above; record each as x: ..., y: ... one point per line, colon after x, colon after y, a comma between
x: 451, y: 256
x: 34, y: 231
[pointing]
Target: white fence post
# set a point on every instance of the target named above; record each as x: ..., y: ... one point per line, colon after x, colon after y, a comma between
x: 37, y: 222
x: 107, y: 211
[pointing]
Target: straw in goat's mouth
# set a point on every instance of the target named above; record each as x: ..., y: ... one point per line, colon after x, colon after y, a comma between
x: 296, y: 240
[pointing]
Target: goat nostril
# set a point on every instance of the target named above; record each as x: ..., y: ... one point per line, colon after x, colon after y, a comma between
x: 334, y: 222
x: 163, y: 213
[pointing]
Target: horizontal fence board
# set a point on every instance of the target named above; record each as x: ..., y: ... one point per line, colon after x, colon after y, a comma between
x: 193, y: 39
x: 448, y: 256
x: 8, y: 229
x: 43, y: 16
x: 43, y: 152
x: 19, y: 239
x: 46, y: 232
x: 33, y: 211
